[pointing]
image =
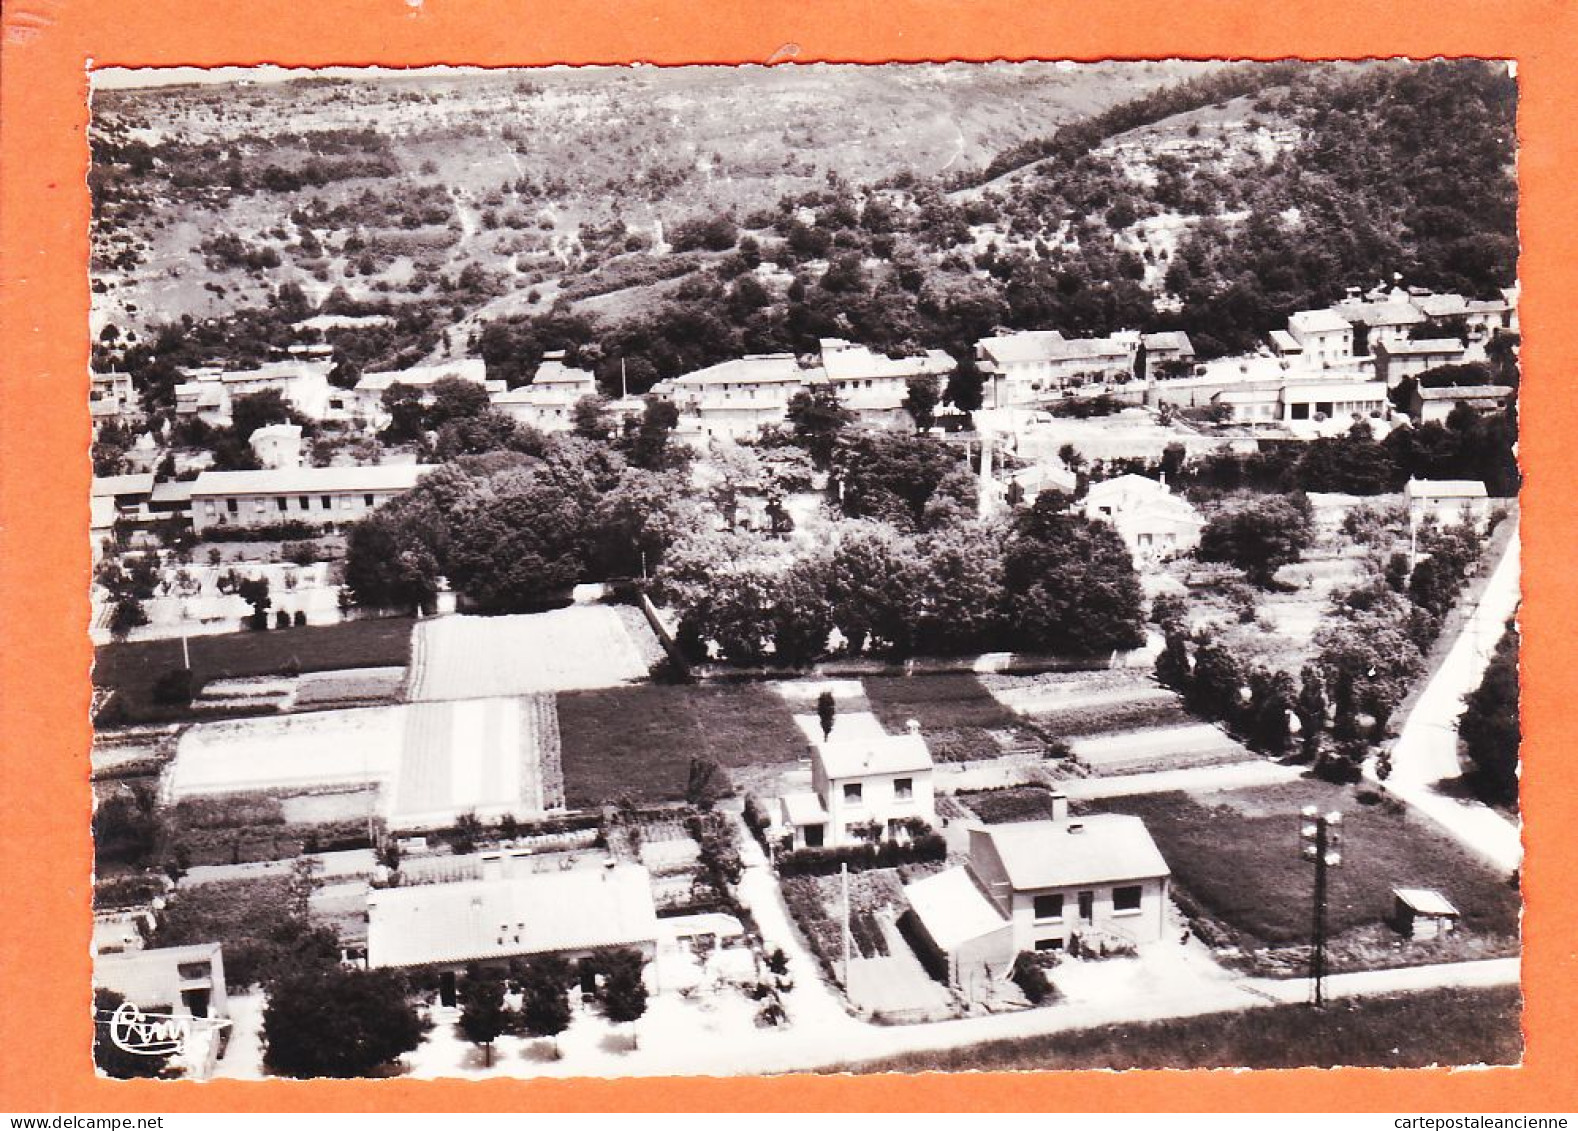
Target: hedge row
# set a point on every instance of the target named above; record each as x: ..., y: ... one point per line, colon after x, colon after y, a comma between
x: 292, y: 530
x: 927, y: 848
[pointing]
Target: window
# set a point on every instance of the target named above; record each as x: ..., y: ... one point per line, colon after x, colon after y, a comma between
x: 327, y: 501
x: 1049, y: 944
x: 230, y: 505
x: 852, y: 793
x: 367, y: 500
x: 903, y: 788
x: 306, y: 502
x: 282, y: 503
x: 1049, y: 907
x: 1126, y: 898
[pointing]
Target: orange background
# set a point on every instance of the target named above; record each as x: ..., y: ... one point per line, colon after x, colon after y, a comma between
x: 45, y: 1035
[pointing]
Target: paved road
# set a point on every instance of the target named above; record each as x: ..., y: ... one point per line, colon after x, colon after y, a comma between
x: 1426, y: 771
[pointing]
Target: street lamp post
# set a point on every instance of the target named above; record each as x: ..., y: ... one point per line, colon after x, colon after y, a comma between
x: 1320, y: 841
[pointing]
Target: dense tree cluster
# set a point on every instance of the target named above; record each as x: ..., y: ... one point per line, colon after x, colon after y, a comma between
x: 1489, y: 725
x: 1051, y: 581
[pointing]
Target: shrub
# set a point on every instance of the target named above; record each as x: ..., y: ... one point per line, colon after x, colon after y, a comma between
x: 927, y: 848
x: 291, y: 530
x: 175, y: 688
x: 300, y: 619
x: 1032, y: 980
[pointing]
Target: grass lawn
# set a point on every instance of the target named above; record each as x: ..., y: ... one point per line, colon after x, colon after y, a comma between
x: 956, y: 713
x: 1451, y: 1027
x: 638, y: 741
x: 1235, y: 856
x: 133, y: 667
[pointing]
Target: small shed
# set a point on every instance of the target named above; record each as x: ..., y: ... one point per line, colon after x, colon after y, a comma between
x: 1423, y: 913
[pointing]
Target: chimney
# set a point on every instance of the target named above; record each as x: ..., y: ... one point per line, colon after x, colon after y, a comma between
x: 1060, y: 806
x: 1076, y: 828
x: 912, y: 726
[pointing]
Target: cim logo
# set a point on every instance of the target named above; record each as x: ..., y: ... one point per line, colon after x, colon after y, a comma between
x: 154, y: 1034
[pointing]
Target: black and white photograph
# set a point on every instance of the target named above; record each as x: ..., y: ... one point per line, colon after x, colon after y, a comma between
x: 742, y: 570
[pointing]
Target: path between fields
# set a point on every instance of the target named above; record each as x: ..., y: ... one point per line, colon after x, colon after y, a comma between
x: 1426, y: 771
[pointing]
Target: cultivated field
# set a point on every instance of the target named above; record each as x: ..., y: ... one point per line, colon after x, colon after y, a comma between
x: 132, y: 669
x: 583, y: 646
x: 1236, y: 867
x: 638, y: 741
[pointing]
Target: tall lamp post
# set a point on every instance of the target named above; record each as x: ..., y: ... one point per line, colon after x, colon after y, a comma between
x: 1320, y: 842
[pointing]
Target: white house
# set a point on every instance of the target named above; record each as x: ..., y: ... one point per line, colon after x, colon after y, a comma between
x: 367, y: 399
x: 1324, y: 337
x: 1389, y: 321
x: 1435, y: 405
x: 1293, y: 399
x: 1396, y: 360
x: 1037, y: 885
x: 734, y: 399
x: 277, y: 445
x: 111, y: 397
x: 862, y: 790
x: 321, y: 496
x: 548, y: 403
x: 209, y: 393
x: 1033, y: 366
x: 875, y: 386
x: 1154, y: 523
x: 183, y: 986
x: 1447, y: 502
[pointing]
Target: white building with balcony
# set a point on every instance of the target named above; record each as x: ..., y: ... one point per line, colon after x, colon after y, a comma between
x: 862, y: 790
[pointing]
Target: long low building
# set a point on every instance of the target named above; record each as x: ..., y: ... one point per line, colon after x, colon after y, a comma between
x: 323, y: 496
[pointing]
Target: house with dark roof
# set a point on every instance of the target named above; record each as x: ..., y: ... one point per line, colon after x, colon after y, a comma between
x: 1038, y: 885
x: 1436, y: 405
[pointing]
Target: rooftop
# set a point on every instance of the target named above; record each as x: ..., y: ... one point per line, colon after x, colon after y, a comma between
x: 1466, y: 393
x: 550, y: 912
x: 1047, y: 345
x: 1381, y: 313
x: 758, y: 368
x: 844, y: 361
x: 1440, y: 306
x: 136, y: 484
x: 1421, y: 346
x: 887, y: 754
x: 1444, y: 489
x: 1323, y: 321
x: 422, y: 376
x: 1426, y: 901
x: 953, y: 909
x: 307, y: 480
x: 1104, y: 848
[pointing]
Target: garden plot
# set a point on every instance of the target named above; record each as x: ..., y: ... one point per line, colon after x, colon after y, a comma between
x: 358, y: 687
x: 580, y: 647
x: 1161, y: 748
x: 256, y: 695
x: 287, y: 752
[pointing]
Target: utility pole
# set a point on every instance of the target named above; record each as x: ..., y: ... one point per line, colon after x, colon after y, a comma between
x: 843, y: 870
x: 624, y: 385
x: 1320, y: 841
x: 186, y: 654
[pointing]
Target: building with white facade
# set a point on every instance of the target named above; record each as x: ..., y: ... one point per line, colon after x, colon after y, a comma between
x: 735, y: 399
x: 322, y: 496
x: 1154, y: 523
x: 861, y: 790
x: 1324, y: 337
x: 1034, y: 366
x: 1039, y: 885
x: 548, y: 403
x: 875, y: 386
x: 1394, y: 361
x: 1447, y: 502
x: 208, y: 394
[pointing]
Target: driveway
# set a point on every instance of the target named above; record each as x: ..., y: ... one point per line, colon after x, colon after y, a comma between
x: 1426, y: 771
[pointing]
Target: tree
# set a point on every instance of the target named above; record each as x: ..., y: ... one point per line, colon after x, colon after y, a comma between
x: 482, y: 1012
x: 337, y: 1022
x: 453, y: 399
x: 519, y: 543
x: 254, y: 591
x: 896, y: 477
x: 591, y: 420
x: 1069, y: 583
x: 818, y: 418
x: 869, y: 576
x: 407, y: 414
x: 1259, y: 539
x: 801, y: 617
x: 127, y: 614
x: 388, y: 565
x: 707, y: 783
x: 1216, y: 691
x: 826, y: 711
x: 110, y: 1057
x: 1172, y: 664
x: 923, y: 392
x: 252, y: 411
x: 646, y: 440
x: 546, y: 1009
x: 624, y: 991
x: 1489, y: 727
x: 1311, y: 708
